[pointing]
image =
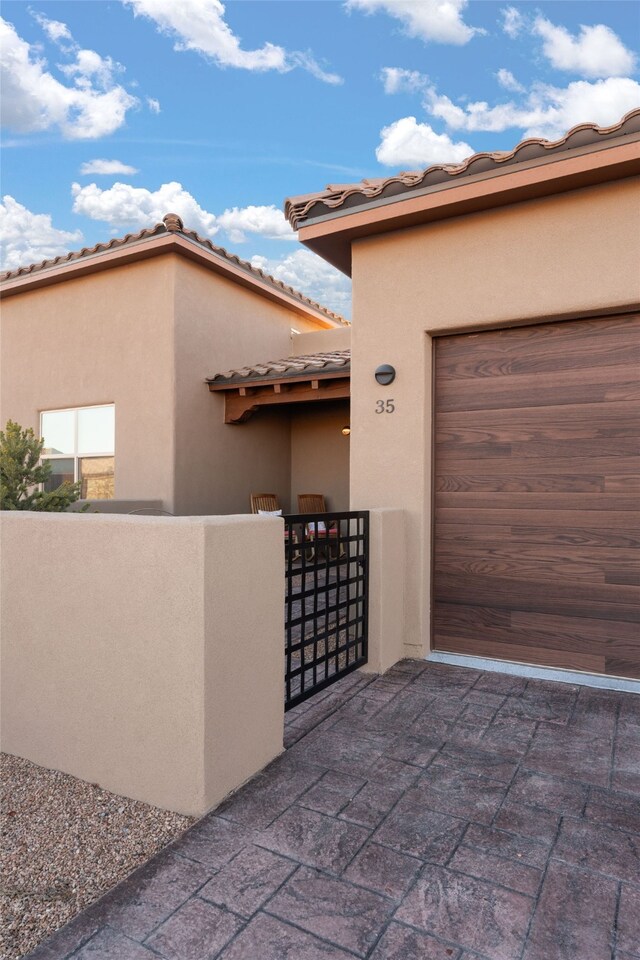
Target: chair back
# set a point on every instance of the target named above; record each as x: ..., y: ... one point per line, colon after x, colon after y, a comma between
x: 264, y: 501
x: 311, y: 503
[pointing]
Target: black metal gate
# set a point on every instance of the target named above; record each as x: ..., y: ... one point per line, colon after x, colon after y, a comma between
x: 327, y: 571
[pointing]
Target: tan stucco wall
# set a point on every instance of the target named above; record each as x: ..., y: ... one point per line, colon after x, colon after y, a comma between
x: 220, y: 326
x: 387, y: 558
x: 575, y: 253
x: 145, y: 336
x: 131, y: 657
x: 318, y: 341
x: 320, y: 454
x: 106, y: 338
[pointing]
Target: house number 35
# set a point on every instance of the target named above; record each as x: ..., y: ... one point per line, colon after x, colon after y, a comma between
x: 385, y: 406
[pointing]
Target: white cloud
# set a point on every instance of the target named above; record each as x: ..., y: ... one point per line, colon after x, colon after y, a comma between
x: 90, y: 67
x: 429, y: 20
x: 308, y: 273
x: 507, y: 80
x: 125, y: 206
x: 596, y: 52
x: 54, y: 29
x: 106, y: 168
x: 268, y: 222
x: 33, y: 99
x: 199, y: 25
x: 153, y: 104
x: 308, y: 62
x: 546, y: 111
x: 407, y: 143
x: 30, y: 237
x: 512, y: 21
x: 398, y: 80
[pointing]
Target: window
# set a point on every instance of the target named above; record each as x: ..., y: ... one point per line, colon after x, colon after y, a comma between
x: 79, y: 444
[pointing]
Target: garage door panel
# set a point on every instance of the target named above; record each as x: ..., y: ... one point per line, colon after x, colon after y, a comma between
x: 567, y: 446
x: 624, y: 574
x: 466, y: 620
x: 463, y: 616
x: 581, y: 483
x: 623, y: 668
x: 518, y: 339
x: 539, y: 389
x: 541, y: 359
x: 565, y: 642
x: 622, y: 484
x: 530, y: 467
x: 525, y: 654
x: 593, y: 629
x: 558, y: 521
x: 509, y: 559
x: 532, y: 534
x: 604, y: 558
x: 537, y: 495
x: 585, y: 535
x: 519, y: 569
x: 555, y: 336
x: 583, y: 415
x: 527, y: 594
x: 569, y: 502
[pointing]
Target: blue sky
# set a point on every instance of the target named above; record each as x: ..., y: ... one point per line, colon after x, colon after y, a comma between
x: 116, y: 112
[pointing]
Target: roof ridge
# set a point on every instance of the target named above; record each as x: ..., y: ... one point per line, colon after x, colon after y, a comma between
x: 171, y: 224
x: 247, y: 265
x: 334, y: 196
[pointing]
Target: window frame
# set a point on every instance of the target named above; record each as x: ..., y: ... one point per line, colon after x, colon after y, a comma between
x: 75, y: 456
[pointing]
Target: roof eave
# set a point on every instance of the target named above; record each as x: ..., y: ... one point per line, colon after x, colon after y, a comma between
x: 157, y: 246
x: 296, y: 377
x: 332, y: 234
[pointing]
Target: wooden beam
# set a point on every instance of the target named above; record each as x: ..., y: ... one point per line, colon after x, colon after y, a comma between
x: 221, y: 386
x: 239, y: 406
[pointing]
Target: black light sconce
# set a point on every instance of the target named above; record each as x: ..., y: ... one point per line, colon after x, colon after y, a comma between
x: 385, y: 374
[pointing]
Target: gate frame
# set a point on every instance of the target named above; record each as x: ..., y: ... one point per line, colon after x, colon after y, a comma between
x: 310, y: 556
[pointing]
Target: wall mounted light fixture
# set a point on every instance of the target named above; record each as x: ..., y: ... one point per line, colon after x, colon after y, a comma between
x: 385, y: 374
x: 346, y: 430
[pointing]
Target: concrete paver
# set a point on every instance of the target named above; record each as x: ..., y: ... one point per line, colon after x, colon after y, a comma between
x: 437, y: 813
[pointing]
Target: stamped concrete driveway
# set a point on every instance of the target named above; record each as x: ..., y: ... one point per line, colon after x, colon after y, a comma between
x: 435, y: 813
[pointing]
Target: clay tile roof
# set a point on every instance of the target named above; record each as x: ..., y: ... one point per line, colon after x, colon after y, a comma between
x: 346, y: 196
x: 171, y: 223
x: 337, y: 361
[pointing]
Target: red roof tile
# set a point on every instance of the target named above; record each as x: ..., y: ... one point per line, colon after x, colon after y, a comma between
x: 336, y: 361
x: 341, y: 196
x: 171, y: 224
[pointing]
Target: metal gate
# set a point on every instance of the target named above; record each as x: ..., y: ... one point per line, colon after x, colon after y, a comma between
x: 327, y: 581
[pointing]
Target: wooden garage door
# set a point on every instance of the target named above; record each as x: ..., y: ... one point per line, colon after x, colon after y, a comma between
x: 537, y: 479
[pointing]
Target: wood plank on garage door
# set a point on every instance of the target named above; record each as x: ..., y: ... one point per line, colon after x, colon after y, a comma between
x: 537, y: 494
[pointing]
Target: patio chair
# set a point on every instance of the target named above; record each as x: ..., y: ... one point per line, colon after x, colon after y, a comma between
x: 266, y: 503
x: 318, y: 531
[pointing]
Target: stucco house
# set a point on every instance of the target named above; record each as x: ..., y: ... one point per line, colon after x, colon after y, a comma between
x: 105, y: 353
x: 505, y: 292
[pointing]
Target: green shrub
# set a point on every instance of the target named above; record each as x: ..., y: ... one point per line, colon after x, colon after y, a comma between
x: 21, y: 474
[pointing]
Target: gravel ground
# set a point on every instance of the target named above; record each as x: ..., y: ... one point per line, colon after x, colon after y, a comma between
x: 65, y: 842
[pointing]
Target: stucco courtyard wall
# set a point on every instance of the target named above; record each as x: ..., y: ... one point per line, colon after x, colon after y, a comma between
x: 143, y: 653
x: 573, y: 254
